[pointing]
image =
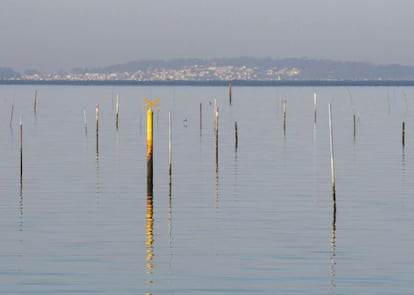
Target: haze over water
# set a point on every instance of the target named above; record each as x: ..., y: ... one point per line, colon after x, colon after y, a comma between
x: 258, y: 219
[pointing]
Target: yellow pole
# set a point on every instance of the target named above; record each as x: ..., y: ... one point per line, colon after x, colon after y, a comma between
x: 149, y: 150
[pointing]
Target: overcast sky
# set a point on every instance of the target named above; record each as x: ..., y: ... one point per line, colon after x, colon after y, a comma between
x: 61, y: 34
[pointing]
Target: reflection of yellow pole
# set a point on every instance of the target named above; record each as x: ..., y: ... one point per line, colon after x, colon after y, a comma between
x: 150, y: 236
x: 149, y: 149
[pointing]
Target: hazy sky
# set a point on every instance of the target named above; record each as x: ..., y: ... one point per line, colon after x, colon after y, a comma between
x: 61, y: 34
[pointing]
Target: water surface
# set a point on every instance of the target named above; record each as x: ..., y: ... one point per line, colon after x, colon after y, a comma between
x: 259, y: 219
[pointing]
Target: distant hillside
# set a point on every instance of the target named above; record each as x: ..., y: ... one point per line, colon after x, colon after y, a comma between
x: 305, y: 69
x: 225, y: 69
x: 8, y: 73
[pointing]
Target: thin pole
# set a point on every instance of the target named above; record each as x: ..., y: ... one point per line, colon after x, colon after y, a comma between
x: 314, y: 108
x: 97, y: 118
x: 117, y: 111
x: 97, y: 129
x: 230, y: 88
x: 35, y: 103
x: 236, y: 136
x: 354, y: 126
x: 332, y: 151
x: 216, y: 119
x: 169, y: 143
x: 201, y: 116
x: 21, y: 147
x: 85, y: 121
x: 284, y: 116
x: 11, y: 116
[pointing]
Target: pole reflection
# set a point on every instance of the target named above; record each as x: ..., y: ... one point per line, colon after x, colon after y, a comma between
x: 150, y: 235
x: 332, y: 259
x: 21, y: 204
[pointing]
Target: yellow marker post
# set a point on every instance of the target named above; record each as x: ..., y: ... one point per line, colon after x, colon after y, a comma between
x: 149, y: 149
x: 150, y: 104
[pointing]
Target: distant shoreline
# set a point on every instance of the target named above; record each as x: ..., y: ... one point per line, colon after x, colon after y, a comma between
x: 216, y: 83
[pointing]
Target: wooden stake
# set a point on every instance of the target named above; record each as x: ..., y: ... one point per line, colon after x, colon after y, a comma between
x: 201, y: 116
x: 403, y: 133
x: 284, y: 116
x: 230, y: 89
x: 11, y: 116
x: 169, y: 143
x: 332, y: 151
x: 236, y: 136
x: 97, y: 130
x: 84, y: 119
x: 216, y: 118
x: 21, y: 147
x: 314, y: 108
x: 35, y: 103
x: 354, y: 127
x: 117, y: 111
x: 149, y: 151
x: 97, y: 118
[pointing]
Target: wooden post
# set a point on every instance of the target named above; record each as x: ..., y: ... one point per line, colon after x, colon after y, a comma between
x: 230, y: 89
x: 97, y: 118
x: 85, y: 121
x: 97, y: 130
x: 216, y: 119
x: 21, y: 148
x: 284, y: 116
x: 354, y: 127
x: 11, y: 116
x: 332, y: 152
x: 117, y: 112
x: 149, y: 150
x: 169, y: 143
x: 403, y: 133
x: 236, y: 136
x: 314, y: 108
x: 201, y: 116
x: 35, y: 103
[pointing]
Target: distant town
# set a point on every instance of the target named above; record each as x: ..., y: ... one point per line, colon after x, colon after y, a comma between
x: 189, y: 73
x: 226, y: 69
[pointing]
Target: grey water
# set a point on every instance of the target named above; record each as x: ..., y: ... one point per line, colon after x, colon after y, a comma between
x: 258, y: 218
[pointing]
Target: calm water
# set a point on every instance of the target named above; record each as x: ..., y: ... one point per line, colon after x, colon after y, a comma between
x: 256, y: 220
